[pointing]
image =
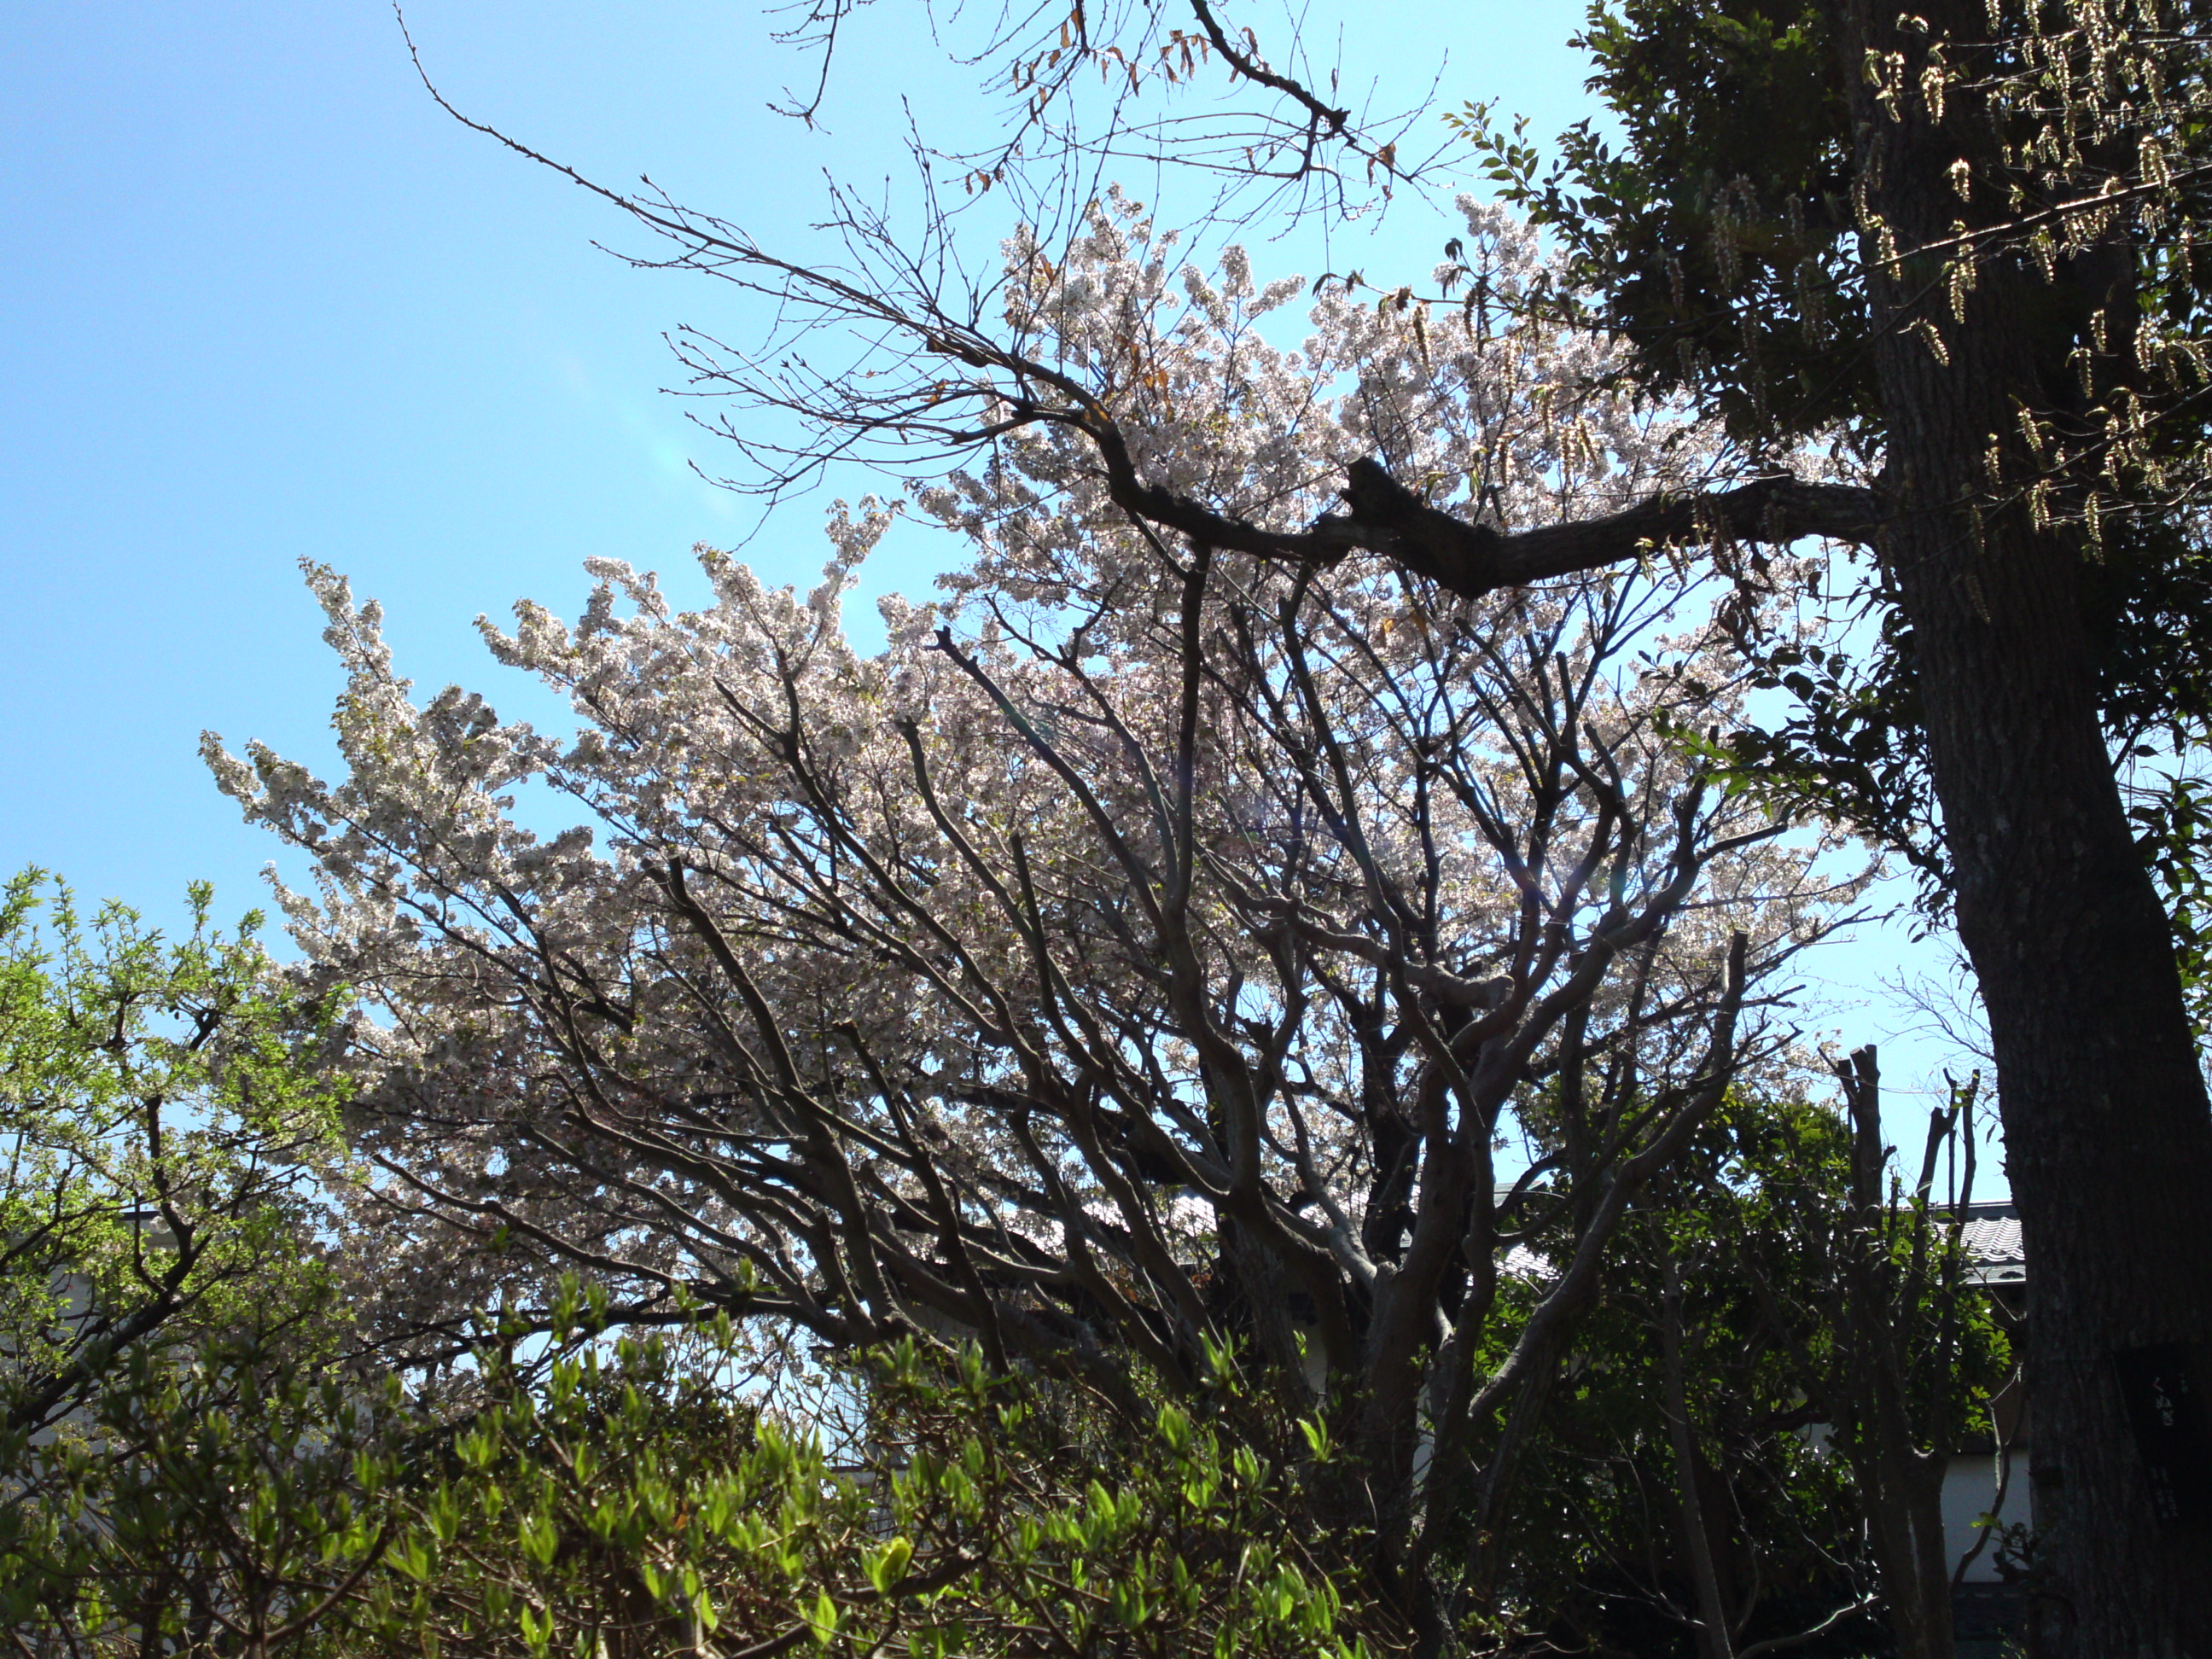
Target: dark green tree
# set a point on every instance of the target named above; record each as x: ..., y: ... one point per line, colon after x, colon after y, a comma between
x: 1747, y: 1452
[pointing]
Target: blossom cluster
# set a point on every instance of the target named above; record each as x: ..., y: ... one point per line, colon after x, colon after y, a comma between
x: 1147, y: 931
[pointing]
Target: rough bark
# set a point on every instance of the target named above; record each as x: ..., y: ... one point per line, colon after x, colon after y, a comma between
x: 1385, y: 517
x: 2107, y: 1135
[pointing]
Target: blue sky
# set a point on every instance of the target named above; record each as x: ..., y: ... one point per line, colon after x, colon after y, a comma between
x: 263, y: 300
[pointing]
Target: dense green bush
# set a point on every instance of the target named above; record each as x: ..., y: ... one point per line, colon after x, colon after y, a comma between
x: 618, y: 1496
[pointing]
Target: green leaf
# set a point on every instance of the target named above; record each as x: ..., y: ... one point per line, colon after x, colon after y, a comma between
x: 888, y: 1565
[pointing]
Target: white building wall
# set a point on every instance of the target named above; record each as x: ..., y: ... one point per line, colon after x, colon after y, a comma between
x: 1970, y: 1491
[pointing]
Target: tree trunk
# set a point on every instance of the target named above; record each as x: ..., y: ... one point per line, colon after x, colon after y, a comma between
x: 2107, y: 1133
x: 1900, y: 1484
x: 1716, y: 1635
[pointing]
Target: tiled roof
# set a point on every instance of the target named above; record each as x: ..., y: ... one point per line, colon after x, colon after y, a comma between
x: 1522, y: 1262
x: 1991, y: 1236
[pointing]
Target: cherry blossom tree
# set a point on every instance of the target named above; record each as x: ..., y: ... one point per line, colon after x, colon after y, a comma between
x: 1148, y: 953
